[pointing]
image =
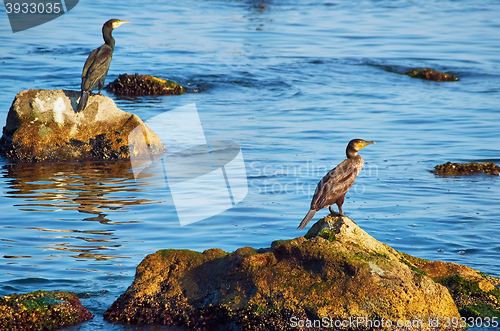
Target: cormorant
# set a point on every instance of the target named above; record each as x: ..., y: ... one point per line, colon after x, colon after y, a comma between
x: 97, y: 64
x: 333, y: 187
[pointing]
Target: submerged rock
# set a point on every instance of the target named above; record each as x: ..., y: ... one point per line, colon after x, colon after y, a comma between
x: 43, y: 126
x: 462, y: 169
x: 474, y: 293
x: 142, y: 85
x: 339, y: 274
x: 41, y: 310
x: 431, y: 74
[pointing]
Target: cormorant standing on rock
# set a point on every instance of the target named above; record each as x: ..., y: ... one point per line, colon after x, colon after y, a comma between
x: 333, y: 187
x: 97, y: 64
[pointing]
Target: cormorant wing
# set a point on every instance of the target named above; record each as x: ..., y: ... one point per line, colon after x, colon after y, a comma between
x: 98, y: 68
x: 333, y: 185
x: 88, y: 63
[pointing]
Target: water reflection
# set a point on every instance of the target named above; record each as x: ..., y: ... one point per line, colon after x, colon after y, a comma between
x: 95, y: 190
x: 91, y: 188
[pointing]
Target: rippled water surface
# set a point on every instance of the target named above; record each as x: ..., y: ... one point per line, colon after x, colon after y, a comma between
x: 291, y: 83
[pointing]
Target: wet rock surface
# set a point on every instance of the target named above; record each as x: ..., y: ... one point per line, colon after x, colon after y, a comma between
x: 43, y: 126
x: 143, y: 85
x: 431, y: 74
x: 339, y: 273
x: 41, y: 310
x: 463, y: 169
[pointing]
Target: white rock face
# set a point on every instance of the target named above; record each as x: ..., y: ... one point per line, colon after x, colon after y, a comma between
x: 42, y: 126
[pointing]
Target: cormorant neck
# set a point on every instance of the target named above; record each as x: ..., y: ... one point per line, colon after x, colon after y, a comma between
x: 351, y: 153
x: 108, y: 38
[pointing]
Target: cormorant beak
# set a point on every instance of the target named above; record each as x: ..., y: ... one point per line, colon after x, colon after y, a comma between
x: 363, y: 144
x: 118, y: 23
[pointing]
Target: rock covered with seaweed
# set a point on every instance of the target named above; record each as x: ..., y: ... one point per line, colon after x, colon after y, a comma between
x: 41, y: 310
x: 431, y: 74
x: 143, y: 85
x: 463, y: 169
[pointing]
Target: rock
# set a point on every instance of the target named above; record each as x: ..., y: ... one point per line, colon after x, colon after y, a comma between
x: 340, y: 274
x: 474, y: 293
x: 42, y: 126
x: 41, y: 310
x: 462, y: 169
x: 431, y: 74
x: 142, y: 85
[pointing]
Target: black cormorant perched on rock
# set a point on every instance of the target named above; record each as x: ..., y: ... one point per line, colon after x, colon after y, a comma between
x: 97, y: 64
x: 333, y: 187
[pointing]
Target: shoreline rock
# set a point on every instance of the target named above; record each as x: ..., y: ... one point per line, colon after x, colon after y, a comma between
x: 41, y: 310
x: 339, y: 273
x: 43, y: 126
x: 143, y: 85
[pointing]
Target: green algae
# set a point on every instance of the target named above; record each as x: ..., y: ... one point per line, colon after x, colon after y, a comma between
x: 480, y: 309
x: 327, y: 234
x: 460, y: 287
x: 413, y: 267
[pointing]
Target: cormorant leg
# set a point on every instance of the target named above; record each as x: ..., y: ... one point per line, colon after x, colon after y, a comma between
x: 340, y: 202
x: 99, y: 91
x: 331, y: 210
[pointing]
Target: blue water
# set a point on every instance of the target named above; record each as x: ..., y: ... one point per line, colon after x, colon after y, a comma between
x: 290, y: 82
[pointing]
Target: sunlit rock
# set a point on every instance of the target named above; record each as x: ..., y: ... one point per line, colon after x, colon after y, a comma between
x: 142, y: 85
x: 41, y: 310
x: 43, y: 126
x: 338, y: 275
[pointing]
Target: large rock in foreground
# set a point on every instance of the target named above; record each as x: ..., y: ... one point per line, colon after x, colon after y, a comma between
x: 339, y: 275
x: 43, y: 126
x: 41, y: 310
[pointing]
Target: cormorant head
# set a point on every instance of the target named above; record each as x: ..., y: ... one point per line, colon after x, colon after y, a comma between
x: 114, y: 23
x: 355, y: 145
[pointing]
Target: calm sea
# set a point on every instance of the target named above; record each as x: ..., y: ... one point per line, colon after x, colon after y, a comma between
x: 291, y: 83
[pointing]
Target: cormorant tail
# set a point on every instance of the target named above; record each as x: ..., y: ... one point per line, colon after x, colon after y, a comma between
x: 307, y: 219
x: 83, y: 101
